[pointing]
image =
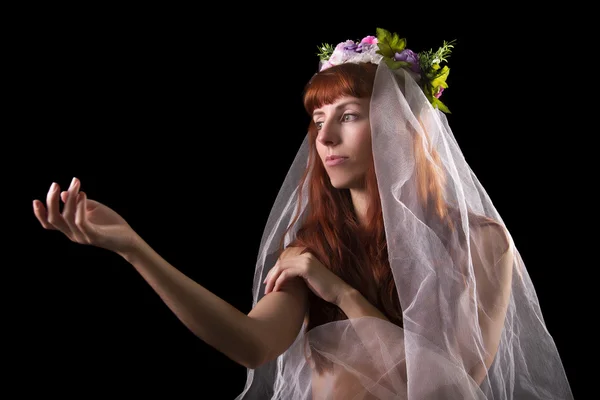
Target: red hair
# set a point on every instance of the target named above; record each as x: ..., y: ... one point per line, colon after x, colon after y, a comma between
x: 331, y: 232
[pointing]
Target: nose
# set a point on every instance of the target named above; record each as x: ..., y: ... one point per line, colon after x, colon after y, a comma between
x: 328, y: 134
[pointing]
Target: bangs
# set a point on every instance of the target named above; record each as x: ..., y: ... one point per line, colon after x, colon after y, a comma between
x: 350, y: 79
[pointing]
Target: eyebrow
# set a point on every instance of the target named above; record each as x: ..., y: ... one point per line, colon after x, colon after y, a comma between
x: 341, y: 105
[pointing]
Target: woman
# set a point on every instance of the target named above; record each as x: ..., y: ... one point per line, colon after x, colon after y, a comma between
x: 384, y: 269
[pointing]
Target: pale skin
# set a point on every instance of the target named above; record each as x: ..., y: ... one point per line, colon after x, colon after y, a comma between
x: 273, y: 324
x: 248, y: 339
x: 344, y: 129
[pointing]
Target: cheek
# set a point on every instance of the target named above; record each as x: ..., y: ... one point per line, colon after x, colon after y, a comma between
x: 363, y: 145
x: 320, y: 151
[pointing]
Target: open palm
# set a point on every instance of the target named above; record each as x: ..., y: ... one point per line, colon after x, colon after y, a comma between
x: 98, y: 215
x: 84, y: 220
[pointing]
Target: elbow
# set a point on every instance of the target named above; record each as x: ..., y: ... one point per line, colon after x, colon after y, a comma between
x: 240, y: 344
x: 250, y: 359
x: 250, y: 364
x: 480, y: 371
x: 254, y: 365
x: 252, y: 356
x: 263, y: 353
x: 257, y: 360
x: 256, y: 354
x: 259, y: 356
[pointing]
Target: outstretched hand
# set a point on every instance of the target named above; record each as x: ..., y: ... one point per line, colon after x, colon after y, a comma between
x: 83, y: 220
x: 319, y: 279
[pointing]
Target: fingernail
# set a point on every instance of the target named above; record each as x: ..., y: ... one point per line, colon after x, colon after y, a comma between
x: 73, y: 182
x: 53, y: 186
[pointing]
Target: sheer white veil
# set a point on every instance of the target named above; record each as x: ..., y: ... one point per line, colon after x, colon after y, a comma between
x: 472, y: 324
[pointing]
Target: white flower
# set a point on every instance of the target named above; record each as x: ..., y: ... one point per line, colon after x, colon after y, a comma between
x: 338, y: 57
x: 341, y: 55
x: 347, y: 43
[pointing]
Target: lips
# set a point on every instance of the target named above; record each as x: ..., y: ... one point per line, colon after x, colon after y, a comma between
x: 334, y: 160
x: 333, y: 157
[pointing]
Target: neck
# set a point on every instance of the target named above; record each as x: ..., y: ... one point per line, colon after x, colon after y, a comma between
x: 360, y: 201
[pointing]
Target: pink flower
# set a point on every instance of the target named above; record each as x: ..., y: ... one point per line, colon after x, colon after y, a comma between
x: 439, y: 92
x: 369, y: 40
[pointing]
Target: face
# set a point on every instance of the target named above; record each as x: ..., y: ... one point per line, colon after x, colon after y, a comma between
x: 344, y: 135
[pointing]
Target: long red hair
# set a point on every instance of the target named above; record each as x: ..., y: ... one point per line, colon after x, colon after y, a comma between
x: 331, y: 232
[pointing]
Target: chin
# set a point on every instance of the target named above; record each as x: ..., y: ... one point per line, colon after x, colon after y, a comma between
x: 348, y: 181
x: 341, y: 184
x: 339, y: 187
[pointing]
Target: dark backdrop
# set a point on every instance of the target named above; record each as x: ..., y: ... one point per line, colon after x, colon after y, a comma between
x: 187, y: 130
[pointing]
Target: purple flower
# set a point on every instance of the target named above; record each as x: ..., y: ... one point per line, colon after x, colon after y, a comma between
x: 350, y: 46
x: 366, y: 43
x: 345, y: 45
x: 411, y: 57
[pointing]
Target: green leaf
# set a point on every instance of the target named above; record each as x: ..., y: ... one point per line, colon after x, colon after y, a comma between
x: 440, y: 78
x: 383, y: 35
x: 385, y: 49
x: 428, y: 89
x: 392, y: 64
x: 325, y: 51
x: 398, y: 44
x: 434, y: 75
x: 437, y: 103
x: 395, y: 43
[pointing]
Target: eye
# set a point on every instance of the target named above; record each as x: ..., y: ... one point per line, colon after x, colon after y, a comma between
x: 349, y: 117
x: 319, y: 124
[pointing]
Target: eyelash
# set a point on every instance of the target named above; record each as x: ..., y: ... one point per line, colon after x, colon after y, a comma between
x: 343, y: 116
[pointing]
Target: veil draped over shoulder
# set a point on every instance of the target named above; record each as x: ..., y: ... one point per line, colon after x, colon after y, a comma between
x: 472, y: 326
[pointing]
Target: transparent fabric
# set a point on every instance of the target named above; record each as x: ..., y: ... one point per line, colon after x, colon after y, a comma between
x: 472, y: 326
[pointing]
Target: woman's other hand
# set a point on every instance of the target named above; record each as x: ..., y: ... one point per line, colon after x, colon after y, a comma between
x: 318, y: 278
x: 83, y: 220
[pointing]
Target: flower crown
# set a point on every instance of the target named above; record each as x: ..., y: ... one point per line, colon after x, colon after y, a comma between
x: 392, y: 50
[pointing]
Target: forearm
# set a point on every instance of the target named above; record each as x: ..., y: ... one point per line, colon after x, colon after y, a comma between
x: 213, y: 320
x: 355, y: 305
x: 369, y: 333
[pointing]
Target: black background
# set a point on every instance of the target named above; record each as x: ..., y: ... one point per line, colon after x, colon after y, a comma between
x: 185, y: 122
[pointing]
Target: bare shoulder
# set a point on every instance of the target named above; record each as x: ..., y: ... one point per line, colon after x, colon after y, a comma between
x: 491, y: 241
x: 493, y: 260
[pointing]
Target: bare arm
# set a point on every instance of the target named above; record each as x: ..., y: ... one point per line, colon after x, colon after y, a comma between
x: 355, y: 305
x: 249, y: 340
x: 493, y: 265
x: 492, y: 258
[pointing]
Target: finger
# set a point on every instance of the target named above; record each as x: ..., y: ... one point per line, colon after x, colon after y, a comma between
x: 284, y: 277
x: 64, y: 195
x: 269, y: 273
x: 54, y: 217
x: 71, y: 200
x: 271, y: 277
x: 41, y: 214
x: 70, y: 209
x: 80, y: 217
